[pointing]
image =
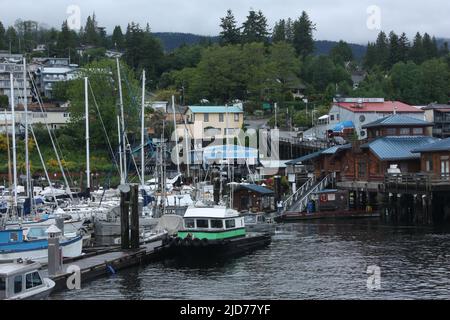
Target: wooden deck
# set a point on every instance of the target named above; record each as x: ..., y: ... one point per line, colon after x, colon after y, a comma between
x: 105, y: 262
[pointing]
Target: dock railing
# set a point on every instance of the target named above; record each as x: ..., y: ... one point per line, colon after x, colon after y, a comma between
x: 410, y: 182
x: 299, y: 193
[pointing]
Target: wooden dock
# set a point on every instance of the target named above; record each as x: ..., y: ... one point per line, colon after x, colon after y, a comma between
x: 302, y: 216
x: 104, y: 262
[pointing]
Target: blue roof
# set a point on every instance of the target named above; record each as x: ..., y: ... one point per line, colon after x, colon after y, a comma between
x: 229, y: 152
x: 440, y: 145
x: 397, y: 120
x: 398, y: 148
x: 337, y: 148
x: 304, y: 158
x: 215, y: 109
x: 256, y: 188
x: 344, y: 125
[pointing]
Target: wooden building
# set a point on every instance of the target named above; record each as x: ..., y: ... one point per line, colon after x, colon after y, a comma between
x: 253, y: 198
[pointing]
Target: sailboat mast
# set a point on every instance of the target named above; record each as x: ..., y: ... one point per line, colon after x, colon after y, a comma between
x: 27, y: 157
x: 176, y: 134
x: 13, y: 115
x: 122, y: 180
x: 9, y: 152
x: 124, y: 149
x: 88, y: 165
x: 142, y: 131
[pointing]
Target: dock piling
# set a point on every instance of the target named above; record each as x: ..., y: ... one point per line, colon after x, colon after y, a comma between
x: 134, y: 225
x: 124, y: 216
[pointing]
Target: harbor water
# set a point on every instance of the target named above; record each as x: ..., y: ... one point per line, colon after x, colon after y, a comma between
x: 314, y: 260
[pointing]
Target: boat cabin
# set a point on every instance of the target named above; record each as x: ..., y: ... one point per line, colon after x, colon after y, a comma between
x: 20, y: 280
x: 212, y: 224
x: 11, y: 236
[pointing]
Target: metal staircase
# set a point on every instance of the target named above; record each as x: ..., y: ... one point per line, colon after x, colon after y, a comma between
x: 299, y: 200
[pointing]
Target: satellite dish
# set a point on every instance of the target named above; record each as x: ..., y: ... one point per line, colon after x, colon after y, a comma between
x: 125, y: 188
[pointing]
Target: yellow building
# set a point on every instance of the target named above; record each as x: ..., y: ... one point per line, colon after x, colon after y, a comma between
x: 204, y: 122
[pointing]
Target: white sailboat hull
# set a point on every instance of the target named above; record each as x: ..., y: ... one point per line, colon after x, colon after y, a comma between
x: 71, y: 250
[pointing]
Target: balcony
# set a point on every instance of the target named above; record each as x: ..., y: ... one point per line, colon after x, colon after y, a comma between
x: 416, y: 182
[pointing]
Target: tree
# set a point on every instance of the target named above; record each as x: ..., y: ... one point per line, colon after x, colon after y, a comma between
x: 230, y: 34
x: 4, y: 101
x: 3, y: 41
x: 435, y: 81
x: 118, y: 40
x: 91, y: 36
x: 67, y: 40
x: 255, y: 28
x: 279, y: 31
x: 430, y: 48
x: 289, y: 30
x: 12, y: 39
x: 417, y: 53
x: 382, y: 50
x: 403, y: 47
x: 394, y: 50
x: 303, y: 35
x: 405, y: 78
x: 341, y: 53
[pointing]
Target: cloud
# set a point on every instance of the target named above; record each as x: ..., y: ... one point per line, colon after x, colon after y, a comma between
x: 338, y: 19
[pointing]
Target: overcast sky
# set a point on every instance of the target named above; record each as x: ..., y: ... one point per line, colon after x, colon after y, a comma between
x: 335, y: 19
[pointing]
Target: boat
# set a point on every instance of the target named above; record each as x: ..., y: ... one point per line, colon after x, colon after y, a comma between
x: 258, y: 222
x: 213, y: 232
x: 22, y: 280
x: 14, y: 245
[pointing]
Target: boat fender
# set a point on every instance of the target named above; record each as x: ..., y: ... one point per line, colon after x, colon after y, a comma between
x: 196, y: 242
x: 111, y: 269
x: 204, y: 242
x: 186, y: 242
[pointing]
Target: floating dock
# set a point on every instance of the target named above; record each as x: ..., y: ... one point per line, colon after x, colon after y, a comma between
x: 302, y: 216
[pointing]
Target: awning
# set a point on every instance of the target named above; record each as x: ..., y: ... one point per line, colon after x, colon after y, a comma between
x: 324, y: 117
x: 344, y: 125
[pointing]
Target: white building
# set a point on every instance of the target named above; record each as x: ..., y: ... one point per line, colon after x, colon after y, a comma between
x: 362, y: 111
x: 5, y: 84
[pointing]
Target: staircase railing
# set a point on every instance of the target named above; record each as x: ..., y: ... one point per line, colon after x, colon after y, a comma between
x: 299, y: 193
x: 302, y: 203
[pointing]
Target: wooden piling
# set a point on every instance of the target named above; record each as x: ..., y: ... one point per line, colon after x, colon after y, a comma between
x: 124, y: 220
x: 134, y: 225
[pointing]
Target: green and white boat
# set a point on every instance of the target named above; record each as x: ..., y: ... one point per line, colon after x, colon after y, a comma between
x: 213, y: 232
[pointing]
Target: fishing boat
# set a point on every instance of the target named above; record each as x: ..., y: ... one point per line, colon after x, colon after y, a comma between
x: 258, y: 222
x: 22, y: 280
x: 213, y: 232
x: 14, y: 245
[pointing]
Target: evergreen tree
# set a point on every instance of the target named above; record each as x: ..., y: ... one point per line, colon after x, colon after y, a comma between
x: 118, y: 39
x: 289, y: 30
x: 429, y: 45
x: 417, y: 53
x: 12, y: 39
x: 382, y: 50
x: 91, y: 37
x: 230, y: 34
x: 394, y: 50
x: 255, y: 28
x: 66, y: 41
x: 444, y: 51
x: 403, y: 47
x: 341, y: 53
x: 3, y: 45
x: 279, y: 31
x: 303, y: 35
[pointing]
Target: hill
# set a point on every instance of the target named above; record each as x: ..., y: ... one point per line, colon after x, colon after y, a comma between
x: 173, y: 40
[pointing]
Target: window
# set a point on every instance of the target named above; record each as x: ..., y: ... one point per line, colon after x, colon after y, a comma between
x: 404, y: 131
x: 189, y: 223
x: 13, y: 237
x: 33, y: 280
x: 332, y: 117
x: 2, y: 288
x: 236, y: 117
x: 220, y: 117
x: 338, y: 117
x: 17, y: 284
x: 362, y: 169
x: 391, y: 131
x: 216, y: 224
x: 429, y: 164
x: 230, y: 224
x: 418, y: 131
x: 205, y: 117
x: 202, y: 223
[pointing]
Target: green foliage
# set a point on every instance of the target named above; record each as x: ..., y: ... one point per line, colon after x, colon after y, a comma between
x: 341, y: 53
x: 4, y: 101
x: 230, y: 33
x: 255, y: 28
x: 303, y: 35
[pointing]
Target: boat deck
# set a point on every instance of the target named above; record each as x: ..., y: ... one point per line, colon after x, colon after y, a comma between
x: 104, y: 262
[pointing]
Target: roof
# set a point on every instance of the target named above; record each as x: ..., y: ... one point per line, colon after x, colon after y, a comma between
x: 215, y: 109
x: 7, y: 269
x: 256, y: 188
x: 335, y: 149
x: 440, y: 145
x: 437, y: 106
x: 381, y: 107
x: 344, y: 125
x: 53, y: 70
x: 398, y: 120
x: 216, y: 212
x: 398, y: 148
x: 306, y: 158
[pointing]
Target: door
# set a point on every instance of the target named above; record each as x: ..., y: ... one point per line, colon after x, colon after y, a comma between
x: 445, y: 168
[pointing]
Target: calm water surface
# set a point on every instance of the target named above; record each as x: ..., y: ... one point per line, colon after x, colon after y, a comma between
x: 324, y: 260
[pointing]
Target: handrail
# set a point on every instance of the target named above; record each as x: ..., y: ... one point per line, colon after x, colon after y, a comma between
x: 293, y: 198
x: 307, y: 196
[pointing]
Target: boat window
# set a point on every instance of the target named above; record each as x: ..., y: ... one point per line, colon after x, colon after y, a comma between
x: 13, y: 237
x: 250, y: 219
x: 2, y: 288
x: 33, y: 280
x: 189, y: 223
x: 216, y: 224
x: 17, y: 284
x: 230, y: 224
x: 202, y: 223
